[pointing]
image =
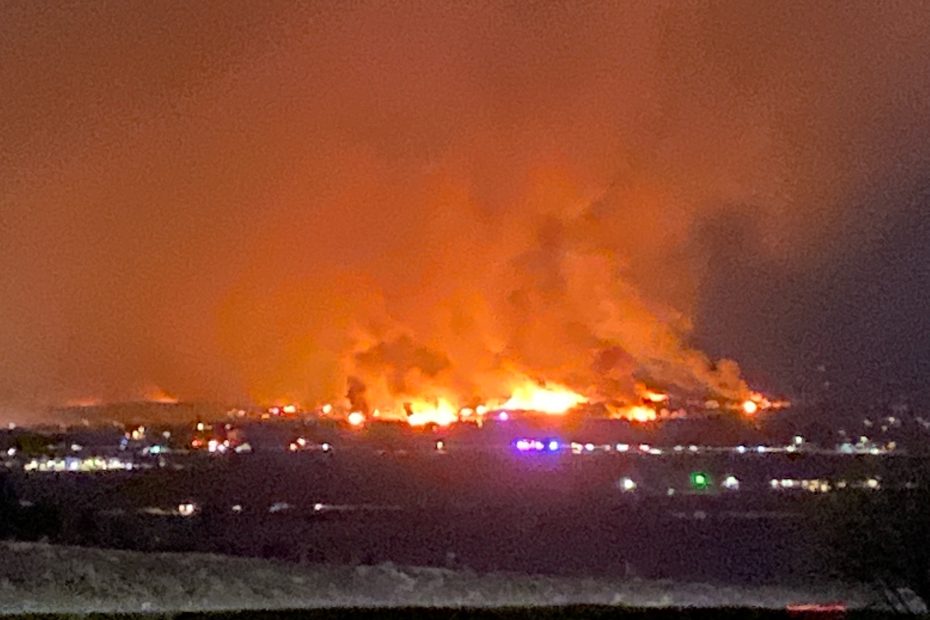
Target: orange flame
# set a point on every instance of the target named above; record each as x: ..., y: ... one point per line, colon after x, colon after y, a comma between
x: 635, y: 413
x: 654, y: 397
x: 545, y: 398
x: 442, y: 413
x: 158, y: 395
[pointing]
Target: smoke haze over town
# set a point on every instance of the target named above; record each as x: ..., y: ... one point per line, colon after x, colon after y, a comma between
x: 272, y: 203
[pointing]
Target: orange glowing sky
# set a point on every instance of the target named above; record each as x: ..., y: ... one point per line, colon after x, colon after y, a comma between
x: 232, y: 200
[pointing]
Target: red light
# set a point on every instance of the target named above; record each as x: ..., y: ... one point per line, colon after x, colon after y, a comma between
x: 838, y: 609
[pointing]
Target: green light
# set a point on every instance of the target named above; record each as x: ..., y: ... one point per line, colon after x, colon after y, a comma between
x: 700, y: 480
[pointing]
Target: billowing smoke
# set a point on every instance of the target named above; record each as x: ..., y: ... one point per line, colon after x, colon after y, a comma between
x: 425, y: 200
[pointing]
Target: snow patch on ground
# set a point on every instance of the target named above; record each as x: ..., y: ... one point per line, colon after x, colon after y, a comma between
x: 42, y: 578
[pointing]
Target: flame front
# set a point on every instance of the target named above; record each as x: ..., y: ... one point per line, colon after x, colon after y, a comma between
x: 546, y: 398
x: 441, y: 413
x: 636, y: 413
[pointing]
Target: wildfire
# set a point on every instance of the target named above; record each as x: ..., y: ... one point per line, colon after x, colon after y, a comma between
x: 654, y: 397
x: 85, y: 402
x: 442, y: 413
x: 547, y: 398
x: 758, y: 402
x: 157, y: 395
x: 534, y: 397
x: 635, y: 413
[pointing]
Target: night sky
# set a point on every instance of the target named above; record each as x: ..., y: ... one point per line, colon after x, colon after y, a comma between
x: 258, y: 200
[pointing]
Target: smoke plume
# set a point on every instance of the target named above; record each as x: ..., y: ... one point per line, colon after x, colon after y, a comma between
x: 428, y: 200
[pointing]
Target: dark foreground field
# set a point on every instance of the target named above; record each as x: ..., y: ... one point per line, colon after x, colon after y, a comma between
x: 515, y: 613
x: 550, y: 515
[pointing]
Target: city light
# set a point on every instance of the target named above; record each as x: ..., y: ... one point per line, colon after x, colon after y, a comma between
x: 356, y: 418
x: 699, y: 480
x: 529, y: 445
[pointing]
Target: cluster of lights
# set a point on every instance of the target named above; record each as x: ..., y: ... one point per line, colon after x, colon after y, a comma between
x: 74, y: 464
x: 812, y: 485
x: 215, y: 446
x: 537, y: 445
x: 871, y: 484
x: 289, y: 409
x: 589, y: 448
x: 301, y: 444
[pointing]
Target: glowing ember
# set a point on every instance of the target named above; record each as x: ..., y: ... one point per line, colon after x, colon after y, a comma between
x: 356, y: 418
x: 547, y: 398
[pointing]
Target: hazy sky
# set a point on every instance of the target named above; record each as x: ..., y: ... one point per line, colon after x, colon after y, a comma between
x: 233, y: 200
